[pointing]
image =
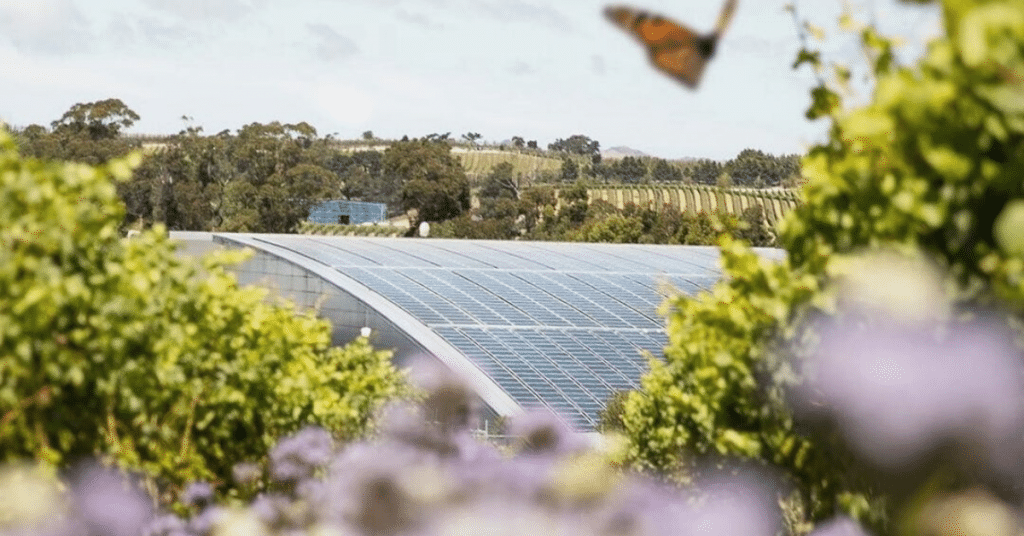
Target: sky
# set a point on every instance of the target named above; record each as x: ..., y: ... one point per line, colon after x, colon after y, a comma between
x: 538, y: 69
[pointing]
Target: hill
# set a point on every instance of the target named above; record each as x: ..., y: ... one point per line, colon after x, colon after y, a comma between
x: 621, y: 152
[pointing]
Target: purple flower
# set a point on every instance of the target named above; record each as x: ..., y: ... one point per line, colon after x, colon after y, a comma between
x: 198, y: 494
x: 542, y: 432
x: 899, y: 391
x: 166, y: 525
x: 246, y: 473
x: 206, y: 521
x: 296, y: 457
x: 839, y: 526
x: 268, y: 509
x: 729, y: 505
x: 108, y: 505
x: 450, y: 402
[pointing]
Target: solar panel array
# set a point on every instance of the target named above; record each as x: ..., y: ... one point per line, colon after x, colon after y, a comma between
x: 561, y: 325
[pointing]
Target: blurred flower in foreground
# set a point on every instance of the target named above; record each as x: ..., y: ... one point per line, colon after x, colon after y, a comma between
x: 902, y: 378
x: 197, y: 494
x: 542, y: 432
x: 424, y: 476
x: 902, y: 288
x: 246, y: 473
x: 108, y: 504
x: 970, y: 513
x: 839, y: 526
x: 27, y: 498
x: 296, y: 457
x: 898, y: 392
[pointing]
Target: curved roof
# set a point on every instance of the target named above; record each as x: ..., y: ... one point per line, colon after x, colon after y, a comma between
x: 562, y: 325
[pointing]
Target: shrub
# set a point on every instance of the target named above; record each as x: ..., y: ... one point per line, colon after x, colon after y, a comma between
x: 119, y: 347
x: 927, y: 169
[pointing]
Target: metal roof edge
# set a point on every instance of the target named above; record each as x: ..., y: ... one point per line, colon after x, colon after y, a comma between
x: 491, y: 393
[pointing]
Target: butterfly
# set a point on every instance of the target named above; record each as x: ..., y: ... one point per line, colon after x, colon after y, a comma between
x: 673, y: 48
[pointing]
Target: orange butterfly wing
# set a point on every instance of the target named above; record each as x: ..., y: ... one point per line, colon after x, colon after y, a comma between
x: 673, y: 48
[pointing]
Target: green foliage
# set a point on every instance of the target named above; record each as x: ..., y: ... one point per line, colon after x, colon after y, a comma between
x: 433, y: 181
x: 755, y: 169
x: 87, y: 132
x: 665, y: 172
x: 96, y: 120
x: 499, y: 194
x: 929, y: 166
x: 576, y: 144
x: 116, y: 346
x: 628, y: 170
x: 610, y: 418
x: 570, y: 171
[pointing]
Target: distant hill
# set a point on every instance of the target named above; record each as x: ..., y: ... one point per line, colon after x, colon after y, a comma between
x: 621, y: 152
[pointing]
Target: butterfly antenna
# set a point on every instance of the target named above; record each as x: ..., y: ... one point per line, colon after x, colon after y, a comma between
x: 725, y: 17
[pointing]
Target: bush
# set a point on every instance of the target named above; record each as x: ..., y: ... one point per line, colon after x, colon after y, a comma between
x: 118, y: 347
x: 927, y: 169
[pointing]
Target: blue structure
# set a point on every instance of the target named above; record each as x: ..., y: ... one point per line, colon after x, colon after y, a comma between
x: 348, y: 212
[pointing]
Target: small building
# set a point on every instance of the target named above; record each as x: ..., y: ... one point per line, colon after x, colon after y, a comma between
x: 348, y: 212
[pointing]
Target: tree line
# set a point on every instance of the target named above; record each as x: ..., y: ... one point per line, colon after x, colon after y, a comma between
x: 266, y: 177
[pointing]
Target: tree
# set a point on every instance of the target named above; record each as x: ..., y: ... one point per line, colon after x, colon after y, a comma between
x: 534, y: 203
x: 472, y: 137
x: 574, y: 202
x: 87, y: 133
x: 570, y: 170
x: 434, y: 184
x: 121, y: 348
x: 518, y: 142
x: 630, y: 169
x: 100, y: 120
x: 368, y: 135
x: 665, y: 172
x: 532, y: 144
x: 500, y: 193
x: 576, y: 144
x: 705, y: 171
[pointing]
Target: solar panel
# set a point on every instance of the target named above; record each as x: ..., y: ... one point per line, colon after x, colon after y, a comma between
x: 556, y: 325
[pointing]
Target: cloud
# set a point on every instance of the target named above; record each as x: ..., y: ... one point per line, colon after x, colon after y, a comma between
x: 332, y: 45
x: 521, y: 68
x: 521, y: 11
x: 46, y: 26
x: 204, y: 10
x: 342, y: 103
x: 418, y: 19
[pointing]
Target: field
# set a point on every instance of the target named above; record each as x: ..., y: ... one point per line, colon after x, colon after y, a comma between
x: 697, y: 198
x: 479, y: 163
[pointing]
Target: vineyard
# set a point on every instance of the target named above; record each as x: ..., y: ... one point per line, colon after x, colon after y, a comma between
x: 335, y: 229
x: 479, y: 163
x: 697, y: 198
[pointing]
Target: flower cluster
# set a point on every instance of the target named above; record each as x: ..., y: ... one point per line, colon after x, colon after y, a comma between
x: 420, y: 477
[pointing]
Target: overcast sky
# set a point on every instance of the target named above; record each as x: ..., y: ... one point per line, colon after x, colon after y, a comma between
x: 539, y: 69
